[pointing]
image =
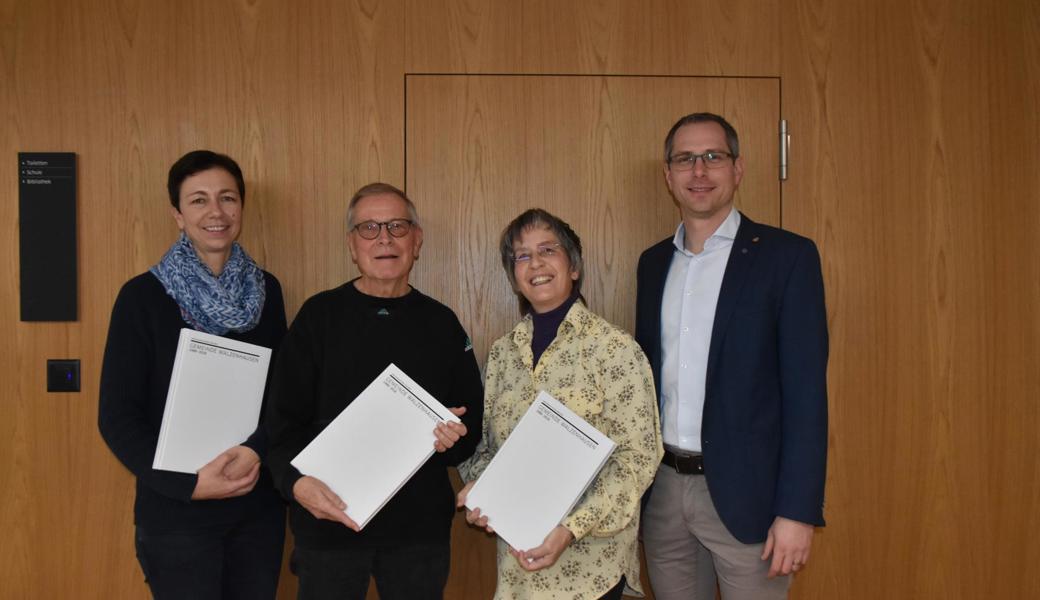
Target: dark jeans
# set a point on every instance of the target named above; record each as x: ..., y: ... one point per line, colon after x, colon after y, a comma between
x: 402, y: 572
x: 220, y: 563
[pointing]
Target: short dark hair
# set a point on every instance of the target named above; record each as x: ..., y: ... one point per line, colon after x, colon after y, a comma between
x: 197, y: 161
x: 376, y: 189
x: 569, y: 241
x: 704, y: 117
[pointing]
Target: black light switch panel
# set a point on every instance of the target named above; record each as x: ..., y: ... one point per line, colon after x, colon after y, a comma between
x: 63, y: 375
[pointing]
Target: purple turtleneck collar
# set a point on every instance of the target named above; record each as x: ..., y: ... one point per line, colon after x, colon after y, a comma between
x: 546, y: 326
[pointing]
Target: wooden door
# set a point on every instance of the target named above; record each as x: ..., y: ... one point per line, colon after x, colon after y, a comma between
x: 480, y: 149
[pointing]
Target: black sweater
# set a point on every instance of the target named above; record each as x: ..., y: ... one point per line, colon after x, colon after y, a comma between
x: 135, y: 377
x: 340, y: 341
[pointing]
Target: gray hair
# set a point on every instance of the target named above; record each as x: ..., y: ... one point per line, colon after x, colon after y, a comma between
x: 376, y: 189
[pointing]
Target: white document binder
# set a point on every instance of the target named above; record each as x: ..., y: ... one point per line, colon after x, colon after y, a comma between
x: 376, y: 444
x: 539, y: 473
x: 213, y: 403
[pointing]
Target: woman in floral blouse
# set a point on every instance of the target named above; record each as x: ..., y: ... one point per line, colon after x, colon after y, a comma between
x: 601, y: 374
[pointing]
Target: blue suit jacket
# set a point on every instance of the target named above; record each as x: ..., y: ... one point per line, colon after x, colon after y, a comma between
x: 764, y: 428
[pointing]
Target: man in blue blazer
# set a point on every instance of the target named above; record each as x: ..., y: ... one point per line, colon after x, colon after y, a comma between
x: 731, y: 315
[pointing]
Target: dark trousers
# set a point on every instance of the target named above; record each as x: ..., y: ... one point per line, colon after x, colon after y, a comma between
x: 220, y: 563
x: 615, y: 592
x: 402, y: 572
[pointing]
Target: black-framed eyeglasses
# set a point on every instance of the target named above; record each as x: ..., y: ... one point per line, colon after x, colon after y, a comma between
x: 369, y: 230
x: 547, y: 250
x: 713, y: 159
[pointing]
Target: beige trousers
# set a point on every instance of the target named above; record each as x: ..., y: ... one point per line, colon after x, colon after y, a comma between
x: 689, y: 550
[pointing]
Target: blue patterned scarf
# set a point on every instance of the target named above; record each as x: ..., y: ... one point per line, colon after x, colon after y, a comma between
x: 231, y: 302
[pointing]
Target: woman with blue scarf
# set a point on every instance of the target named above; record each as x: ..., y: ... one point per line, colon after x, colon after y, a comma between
x: 217, y: 533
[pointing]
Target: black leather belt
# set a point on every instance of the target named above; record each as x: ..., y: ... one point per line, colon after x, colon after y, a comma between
x: 684, y: 464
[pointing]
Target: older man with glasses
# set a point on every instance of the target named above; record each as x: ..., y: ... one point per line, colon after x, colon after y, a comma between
x: 341, y: 340
x: 731, y: 316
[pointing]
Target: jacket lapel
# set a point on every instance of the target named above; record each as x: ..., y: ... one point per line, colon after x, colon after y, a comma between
x: 741, y: 257
x: 656, y: 281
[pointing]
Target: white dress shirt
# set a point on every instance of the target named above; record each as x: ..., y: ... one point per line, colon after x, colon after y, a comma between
x: 691, y: 293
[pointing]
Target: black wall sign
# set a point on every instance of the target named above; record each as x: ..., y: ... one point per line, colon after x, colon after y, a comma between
x: 47, y: 235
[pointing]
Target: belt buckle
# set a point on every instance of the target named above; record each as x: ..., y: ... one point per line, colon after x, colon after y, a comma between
x: 679, y: 461
x: 686, y: 464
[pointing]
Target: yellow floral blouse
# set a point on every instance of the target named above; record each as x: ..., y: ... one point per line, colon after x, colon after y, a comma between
x: 598, y: 371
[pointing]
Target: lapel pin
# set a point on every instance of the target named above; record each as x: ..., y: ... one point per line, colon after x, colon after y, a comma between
x: 754, y: 240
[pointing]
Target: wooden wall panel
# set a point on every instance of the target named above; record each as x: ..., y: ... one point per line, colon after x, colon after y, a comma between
x: 463, y: 36
x: 630, y: 37
x: 914, y: 125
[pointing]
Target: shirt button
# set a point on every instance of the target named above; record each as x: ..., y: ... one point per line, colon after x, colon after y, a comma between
x: 685, y: 328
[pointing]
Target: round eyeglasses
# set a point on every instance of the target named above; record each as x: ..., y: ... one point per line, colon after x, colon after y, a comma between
x: 397, y: 228
x: 543, y: 251
x: 712, y: 159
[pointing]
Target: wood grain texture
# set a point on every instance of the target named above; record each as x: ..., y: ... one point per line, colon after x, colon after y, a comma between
x: 919, y: 120
x: 463, y: 36
x: 624, y: 37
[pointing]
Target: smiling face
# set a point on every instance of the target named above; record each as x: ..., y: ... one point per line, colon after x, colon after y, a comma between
x: 702, y: 193
x: 545, y: 281
x: 209, y: 212
x: 386, y: 261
